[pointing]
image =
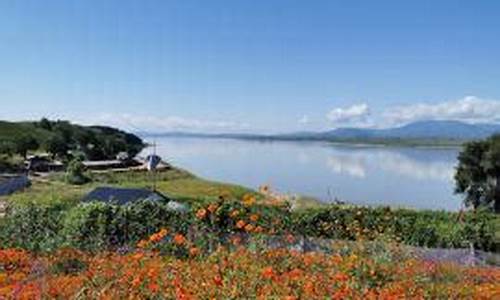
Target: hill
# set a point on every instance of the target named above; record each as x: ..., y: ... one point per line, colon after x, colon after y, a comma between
x: 62, y: 137
x: 423, y: 130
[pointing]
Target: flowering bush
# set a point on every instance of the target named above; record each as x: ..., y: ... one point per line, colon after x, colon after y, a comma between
x: 98, y: 226
x: 357, y: 272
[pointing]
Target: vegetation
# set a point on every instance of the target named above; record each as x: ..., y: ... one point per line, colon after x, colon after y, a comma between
x: 170, y: 265
x: 232, y: 243
x: 75, y: 172
x: 62, y: 139
x: 98, y: 226
x: 478, y: 173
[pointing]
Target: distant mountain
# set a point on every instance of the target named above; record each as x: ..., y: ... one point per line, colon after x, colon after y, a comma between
x: 417, y: 133
x: 422, y: 130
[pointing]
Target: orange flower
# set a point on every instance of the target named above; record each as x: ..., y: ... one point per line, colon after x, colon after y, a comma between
x: 259, y: 229
x: 268, y: 273
x: 212, y: 207
x: 234, y: 213
x: 143, y: 244
x: 254, y: 217
x: 218, y: 280
x: 309, y: 287
x: 240, y: 224
x: 179, y: 239
x: 201, y: 213
x: 249, y: 228
x: 136, y: 282
x: 194, y: 251
x: 153, y: 287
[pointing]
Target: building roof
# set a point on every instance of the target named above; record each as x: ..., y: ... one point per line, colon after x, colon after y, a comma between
x: 122, y: 196
x: 13, y: 184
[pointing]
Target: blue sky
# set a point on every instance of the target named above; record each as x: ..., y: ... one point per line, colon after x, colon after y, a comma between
x: 250, y: 65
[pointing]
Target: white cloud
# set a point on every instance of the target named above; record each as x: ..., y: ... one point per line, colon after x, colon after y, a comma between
x: 351, y: 114
x: 304, y: 120
x: 468, y: 109
x: 162, y: 124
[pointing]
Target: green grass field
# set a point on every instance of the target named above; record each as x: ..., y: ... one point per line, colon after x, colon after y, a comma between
x: 176, y: 183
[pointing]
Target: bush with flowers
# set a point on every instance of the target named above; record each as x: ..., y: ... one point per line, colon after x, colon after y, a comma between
x: 98, y: 226
x: 350, y: 271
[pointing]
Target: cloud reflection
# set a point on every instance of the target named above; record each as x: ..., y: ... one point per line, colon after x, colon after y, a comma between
x: 360, y: 163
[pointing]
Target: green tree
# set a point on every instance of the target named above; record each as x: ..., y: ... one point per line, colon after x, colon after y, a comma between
x: 25, y: 143
x: 45, y: 124
x: 56, y: 146
x: 478, y: 173
x: 75, y: 172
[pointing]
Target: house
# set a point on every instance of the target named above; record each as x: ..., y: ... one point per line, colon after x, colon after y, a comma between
x: 42, y: 163
x: 122, y: 196
x: 9, y: 185
x: 110, y: 164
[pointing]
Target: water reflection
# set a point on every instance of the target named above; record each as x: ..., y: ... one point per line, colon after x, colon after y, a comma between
x: 409, y: 177
x: 348, y: 164
x: 356, y: 164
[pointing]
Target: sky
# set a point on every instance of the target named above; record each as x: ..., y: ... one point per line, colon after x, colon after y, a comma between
x: 249, y: 66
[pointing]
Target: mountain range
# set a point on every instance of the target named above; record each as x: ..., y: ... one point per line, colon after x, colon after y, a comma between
x: 421, y: 132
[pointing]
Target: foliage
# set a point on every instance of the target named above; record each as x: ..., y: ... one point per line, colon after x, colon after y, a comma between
x: 348, y: 272
x: 478, y: 173
x: 25, y: 143
x: 75, y: 173
x: 418, y: 228
x: 89, y: 226
x: 94, y: 226
x: 32, y: 226
x: 59, y: 137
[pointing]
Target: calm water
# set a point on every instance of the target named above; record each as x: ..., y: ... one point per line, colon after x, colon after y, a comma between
x: 396, y: 176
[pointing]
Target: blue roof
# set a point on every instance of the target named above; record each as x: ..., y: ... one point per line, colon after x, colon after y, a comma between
x: 122, y: 196
x: 14, y: 184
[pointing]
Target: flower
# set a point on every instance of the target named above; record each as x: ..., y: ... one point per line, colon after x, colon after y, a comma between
x: 218, y: 280
x: 201, y: 213
x: 249, y: 227
x: 212, y: 207
x: 248, y: 200
x: 193, y: 251
x: 234, y: 213
x: 259, y: 229
x: 268, y: 273
x: 155, y: 238
x: 240, y: 224
x: 143, y: 244
x: 179, y: 239
x: 254, y: 217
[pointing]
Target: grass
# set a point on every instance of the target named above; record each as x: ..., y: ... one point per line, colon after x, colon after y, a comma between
x: 176, y: 183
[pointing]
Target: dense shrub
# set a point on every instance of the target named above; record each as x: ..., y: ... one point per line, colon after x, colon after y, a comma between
x: 32, y: 226
x: 94, y: 226
x: 418, y: 228
x: 75, y: 173
x: 88, y: 226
